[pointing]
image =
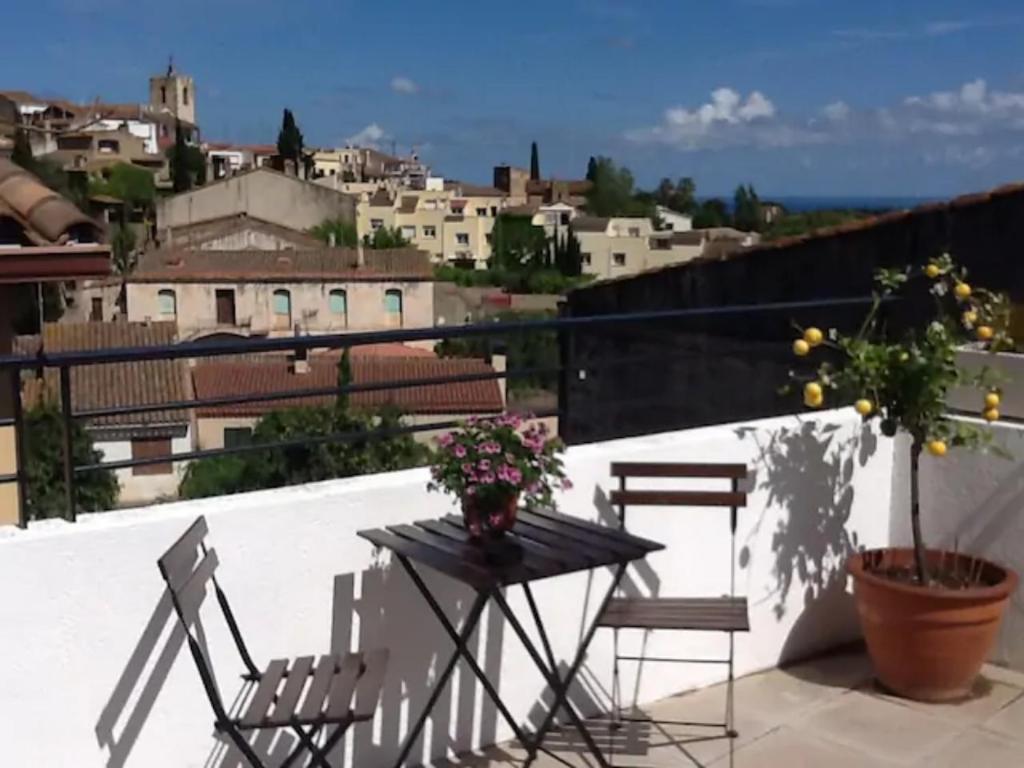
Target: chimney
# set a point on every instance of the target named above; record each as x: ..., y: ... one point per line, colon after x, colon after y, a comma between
x: 360, y: 256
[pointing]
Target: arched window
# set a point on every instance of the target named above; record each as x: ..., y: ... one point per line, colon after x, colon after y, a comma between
x: 167, y: 302
x: 282, y: 308
x: 338, y: 303
x: 393, y: 306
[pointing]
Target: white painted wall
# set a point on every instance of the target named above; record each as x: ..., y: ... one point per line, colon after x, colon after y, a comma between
x: 974, y: 502
x: 93, y: 637
x: 141, y: 489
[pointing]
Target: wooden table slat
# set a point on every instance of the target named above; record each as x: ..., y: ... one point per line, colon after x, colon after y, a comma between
x: 584, y: 539
x: 429, y: 556
x: 537, y: 566
x: 545, y: 561
x: 470, y: 555
x: 604, y: 530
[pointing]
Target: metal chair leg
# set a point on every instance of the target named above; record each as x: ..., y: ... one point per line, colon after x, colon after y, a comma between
x: 730, y: 723
x: 243, y: 745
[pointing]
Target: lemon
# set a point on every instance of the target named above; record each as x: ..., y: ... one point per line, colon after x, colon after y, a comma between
x: 933, y: 271
x: 991, y: 414
x: 904, y: 356
x: 963, y: 291
x: 992, y: 400
x: 985, y: 332
x: 813, y: 395
x: 801, y: 348
x: 937, y: 448
x: 970, y: 317
x: 864, y: 407
x: 813, y: 336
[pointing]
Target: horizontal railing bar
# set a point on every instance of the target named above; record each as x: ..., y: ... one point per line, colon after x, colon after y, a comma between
x: 433, y: 333
x: 376, y: 434
x: 9, y: 478
x: 261, y: 397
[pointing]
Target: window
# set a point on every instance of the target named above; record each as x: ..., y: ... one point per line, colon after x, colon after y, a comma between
x: 585, y: 259
x: 376, y: 224
x: 393, y: 306
x: 109, y: 146
x: 429, y: 232
x: 152, y: 448
x: 481, y: 211
x: 96, y: 312
x: 409, y: 232
x: 494, y: 210
x: 338, y: 302
x: 184, y: 95
x: 235, y: 437
x: 225, y: 301
x: 619, y: 259
x: 634, y: 231
x: 163, y: 130
x: 462, y: 238
x: 163, y: 94
x: 167, y: 302
x: 565, y: 219
x: 282, y: 309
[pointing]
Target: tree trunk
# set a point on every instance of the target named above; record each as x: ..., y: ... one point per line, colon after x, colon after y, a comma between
x: 915, y: 513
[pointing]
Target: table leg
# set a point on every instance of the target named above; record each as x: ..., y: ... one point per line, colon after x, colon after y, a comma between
x: 461, y: 650
x: 561, y: 687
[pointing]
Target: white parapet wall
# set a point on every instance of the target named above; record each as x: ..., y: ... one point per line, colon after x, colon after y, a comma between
x: 93, y: 670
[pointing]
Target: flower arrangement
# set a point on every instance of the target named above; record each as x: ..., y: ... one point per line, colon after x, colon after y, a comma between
x: 491, y: 463
x: 904, y: 383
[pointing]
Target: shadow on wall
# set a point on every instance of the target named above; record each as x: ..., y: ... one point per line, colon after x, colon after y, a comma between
x: 809, y: 472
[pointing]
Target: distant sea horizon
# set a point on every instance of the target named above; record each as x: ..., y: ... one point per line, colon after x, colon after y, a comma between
x: 806, y: 203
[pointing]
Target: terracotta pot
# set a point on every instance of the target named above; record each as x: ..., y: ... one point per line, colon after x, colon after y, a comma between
x: 928, y: 643
x: 489, y: 516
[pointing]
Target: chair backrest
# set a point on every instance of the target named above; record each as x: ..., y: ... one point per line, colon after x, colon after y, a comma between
x: 733, y: 499
x: 188, y: 568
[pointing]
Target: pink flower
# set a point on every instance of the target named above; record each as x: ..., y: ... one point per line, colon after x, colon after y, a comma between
x: 490, y: 447
x: 514, y: 476
x: 484, y: 465
x: 533, y: 488
x: 446, y: 439
x: 487, y: 478
x: 467, y: 469
x: 471, y: 490
x: 566, y: 484
x: 459, y: 451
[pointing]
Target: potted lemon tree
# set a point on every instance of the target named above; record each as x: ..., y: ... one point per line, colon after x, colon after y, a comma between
x: 929, y: 617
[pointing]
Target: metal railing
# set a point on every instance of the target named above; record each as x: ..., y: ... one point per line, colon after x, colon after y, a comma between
x: 497, y: 333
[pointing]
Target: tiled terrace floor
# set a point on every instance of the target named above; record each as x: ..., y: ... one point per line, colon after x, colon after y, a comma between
x: 822, y: 714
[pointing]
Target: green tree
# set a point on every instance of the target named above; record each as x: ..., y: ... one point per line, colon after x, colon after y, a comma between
x: 385, y: 237
x: 289, y: 139
x: 664, y: 192
x: 711, y: 213
x: 188, y: 167
x: 124, y: 258
x: 747, y: 209
x: 21, y: 154
x: 129, y: 183
x: 517, y: 245
x: 96, y: 491
x: 534, y: 163
x: 684, y: 198
x: 612, y: 193
x: 569, y: 255
x: 313, y: 457
x: 591, y: 169
x: 344, y: 233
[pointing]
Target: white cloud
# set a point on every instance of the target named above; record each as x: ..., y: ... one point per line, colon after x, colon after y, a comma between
x: 404, y: 85
x: 726, y: 120
x: 971, y: 110
x: 370, y: 136
x: 836, y: 112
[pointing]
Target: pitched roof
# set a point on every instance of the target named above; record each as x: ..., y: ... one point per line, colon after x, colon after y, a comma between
x: 46, y: 216
x: 198, y: 234
x: 409, y: 203
x: 590, y: 224
x: 179, y: 265
x: 224, y: 379
x: 111, y: 385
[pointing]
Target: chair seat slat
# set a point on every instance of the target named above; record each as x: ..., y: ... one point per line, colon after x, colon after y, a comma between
x: 256, y: 713
x: 284, y: 709
x: 316, y: 696
x: 717, y: 614
x: 339, y: 703
x: 370, y: 684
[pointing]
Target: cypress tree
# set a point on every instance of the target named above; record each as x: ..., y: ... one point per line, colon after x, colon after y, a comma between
x: 21, y: 154
x: 181, y: 176
x: 534, y: 163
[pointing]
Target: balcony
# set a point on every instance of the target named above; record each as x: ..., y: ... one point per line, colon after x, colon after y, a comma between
x: 97, y: 672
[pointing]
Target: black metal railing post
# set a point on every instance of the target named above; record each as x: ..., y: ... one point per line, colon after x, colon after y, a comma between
x: 14, y: 377
x: 69, y: 441
x: 565, y: 369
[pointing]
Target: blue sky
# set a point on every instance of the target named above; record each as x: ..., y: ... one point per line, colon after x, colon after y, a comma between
x: 901, y: 97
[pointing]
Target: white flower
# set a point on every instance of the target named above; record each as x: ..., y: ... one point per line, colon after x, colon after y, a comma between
x: 833, y: 334
x: 940, y: 289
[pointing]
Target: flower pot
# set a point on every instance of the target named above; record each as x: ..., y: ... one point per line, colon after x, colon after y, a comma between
x: 489, y: 516
x: 928, y: 643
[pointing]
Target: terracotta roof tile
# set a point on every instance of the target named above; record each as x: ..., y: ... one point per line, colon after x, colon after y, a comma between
x: 183, y: 265
x: 223, y: 379
x: 115, y: 384
x: 46, y: 216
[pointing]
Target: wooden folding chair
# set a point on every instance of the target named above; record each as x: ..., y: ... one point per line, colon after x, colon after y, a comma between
x: 701, y: 614
x: 341, y: 690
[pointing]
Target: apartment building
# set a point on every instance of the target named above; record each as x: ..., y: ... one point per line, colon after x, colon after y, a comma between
x: 613, y: 247
x: 276, y: 293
